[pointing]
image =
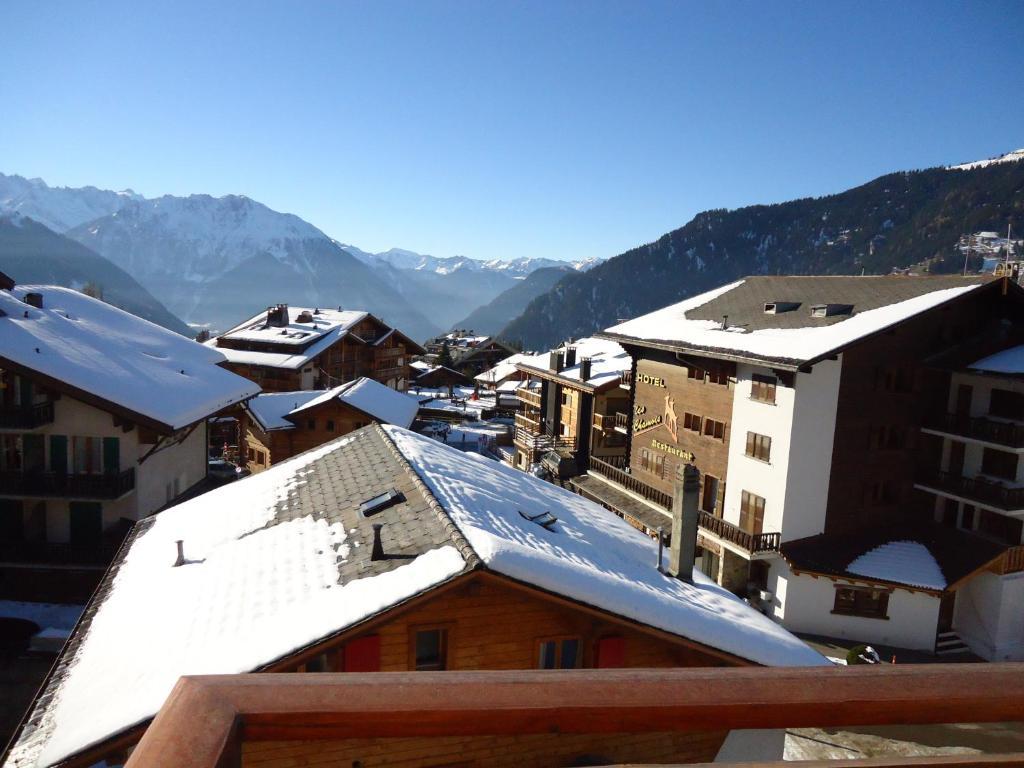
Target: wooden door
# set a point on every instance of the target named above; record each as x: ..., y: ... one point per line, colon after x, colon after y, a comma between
x: 946, y: 606
x: 956, y: 458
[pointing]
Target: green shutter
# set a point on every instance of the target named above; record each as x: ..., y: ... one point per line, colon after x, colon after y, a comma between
x: 35, y: 453
x: 111, y: 455
x: 26, y: 392
x: 59, y: 454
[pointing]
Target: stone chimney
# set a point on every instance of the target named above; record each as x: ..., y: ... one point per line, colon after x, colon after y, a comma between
x: 570, y: 357
x: 585, y: 363
x: 685, y: 495
x: 555, y: 360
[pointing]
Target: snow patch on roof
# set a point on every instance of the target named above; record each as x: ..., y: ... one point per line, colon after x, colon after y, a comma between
x: 901, y: 562
x: 270, y: 408
x: 1008, y: 361
x: 116, y: 356
x: 590, y: 555
x: 670, y: 324
x: 382, y: 403
x: 502, y: 370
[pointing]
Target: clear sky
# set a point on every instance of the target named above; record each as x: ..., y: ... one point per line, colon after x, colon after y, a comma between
x: 496, y: 130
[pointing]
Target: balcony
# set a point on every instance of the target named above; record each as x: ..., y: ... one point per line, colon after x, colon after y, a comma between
x: 614, y: 468
x: 978, y: 428
x: 748, y: 542
x: 622, y: 422
x: 544, y: 443
x: 529, y: 396
x: 626, y: 382
x: 389, y: 353
x: 527, y: 424
x: 1012, y: 561
x: 217, y: 721
x: 53, y: 485
x: 987, y: 492
x: 21, y: 417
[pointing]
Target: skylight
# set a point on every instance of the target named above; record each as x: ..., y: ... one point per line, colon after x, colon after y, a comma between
x: 545, y: 519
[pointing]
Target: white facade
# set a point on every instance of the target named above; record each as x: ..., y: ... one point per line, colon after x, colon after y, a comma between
x: 989, y: 616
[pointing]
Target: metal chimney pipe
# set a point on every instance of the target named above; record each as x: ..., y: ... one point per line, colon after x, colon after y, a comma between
x: 683, y: 548
x: 378, y: 546
x: 570, y: 357
x: 661, y: 548
x: 181, y: 553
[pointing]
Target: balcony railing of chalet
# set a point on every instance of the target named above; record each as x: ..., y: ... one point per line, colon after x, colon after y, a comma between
x: 205, y: 721
x: 1013, y: 560
x: 626, y: 382
x: 56, y: 553
x: 542, y: 443
x: 21, y: 417
x: 383, y: 353
x: 980, y: 428
x: 613, y: 467
x: 527, y: 424
x: 751, y: 542
x: 529, y: 396
x: 981, y: 489
x: 110, y: 486
x: 622, y: 421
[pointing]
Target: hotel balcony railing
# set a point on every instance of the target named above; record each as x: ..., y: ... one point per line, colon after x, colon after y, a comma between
x: 21, y: 417
x: 527, y: 424
x: 979, y: 489
x: 207, y: 722
x: 544, y: 443
x: 529, y: 396
x: 978, y: 427
x: 626, y: 382
x: 52, y: 484
x: 614, y: 469
x: 622, y: 421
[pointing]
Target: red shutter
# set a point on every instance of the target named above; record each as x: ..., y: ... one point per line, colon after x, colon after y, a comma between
x: 362, y: 655
x: 611, y: 652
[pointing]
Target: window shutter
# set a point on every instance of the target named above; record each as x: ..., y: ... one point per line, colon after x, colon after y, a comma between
x: 111, y: 455
x: 611, y: 653
x: 362, y: 655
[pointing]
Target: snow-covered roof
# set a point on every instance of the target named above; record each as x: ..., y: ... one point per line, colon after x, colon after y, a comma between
x: 902, y: 562
x: 1009, y: 361
x: 280, y: 560
x: 381, y: 403
x: 502, y: 370
x: 308, y: 339
x: 608, y: 361
x: 117, y: 357
x: 420, y: 365
x: 732, y: 319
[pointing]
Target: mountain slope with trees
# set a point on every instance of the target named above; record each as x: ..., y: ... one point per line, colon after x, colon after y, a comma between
x: 896, y: 221
x: 492, y: 317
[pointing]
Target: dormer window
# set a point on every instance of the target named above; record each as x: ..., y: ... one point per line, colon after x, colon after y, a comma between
x: 778, y: 307
x: 831, y: 310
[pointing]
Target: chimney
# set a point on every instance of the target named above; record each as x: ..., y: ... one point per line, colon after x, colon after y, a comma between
x: 378, y: 547
x: 34, y: 300
x: 584, y: 368
x: 570, y: 357
x: 181, y: 553
x: 555, y: 360
x: 683, y: 549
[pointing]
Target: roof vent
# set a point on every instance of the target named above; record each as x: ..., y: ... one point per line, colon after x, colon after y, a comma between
x: 831, y: 310
x: 305, y: 316
x: 382, y: 501
x: 778, y: 307
x: 34, y: 300
x: 545, y: 519
x: 181, y: 553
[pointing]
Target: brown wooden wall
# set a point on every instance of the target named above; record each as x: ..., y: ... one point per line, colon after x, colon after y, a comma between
x: 280, y: 445
x: 523, y: 751
x: 656, y: 379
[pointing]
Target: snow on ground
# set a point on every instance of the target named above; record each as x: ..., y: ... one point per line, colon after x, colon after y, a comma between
x: 590, y: 555
x: 436, y: 398
x: 251, y: 593
x: 902, y: 562
x: 671, y: 324
x: 1008, y: 361
x: 45, y: 615
x: 116, y: 356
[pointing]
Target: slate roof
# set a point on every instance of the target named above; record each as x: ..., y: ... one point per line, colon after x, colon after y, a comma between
x: 958, y: 553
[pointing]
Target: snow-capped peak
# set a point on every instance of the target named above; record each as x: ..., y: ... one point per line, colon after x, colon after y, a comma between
x: 1009, y: 157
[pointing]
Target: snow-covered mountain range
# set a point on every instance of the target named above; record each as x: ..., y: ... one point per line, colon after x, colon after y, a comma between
x: 216, y: 260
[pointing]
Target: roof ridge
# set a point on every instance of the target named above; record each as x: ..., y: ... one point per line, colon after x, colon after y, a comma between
x: 473, y: 560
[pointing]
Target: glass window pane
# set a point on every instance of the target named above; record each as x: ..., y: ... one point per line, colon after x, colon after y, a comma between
x: 570, y: 651
x: 430, y: 649
x: 547, y: 655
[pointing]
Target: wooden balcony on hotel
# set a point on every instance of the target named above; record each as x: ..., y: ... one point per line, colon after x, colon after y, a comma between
x: 977, y: 428
x: 54, y: 485
x: 529, y: 396
x: 26, y: 417
x: 982, y: 490
x: 219, y: 721
x: 527, y: 423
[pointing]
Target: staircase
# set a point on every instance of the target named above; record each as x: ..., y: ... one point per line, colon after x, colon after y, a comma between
x: 949, y: 643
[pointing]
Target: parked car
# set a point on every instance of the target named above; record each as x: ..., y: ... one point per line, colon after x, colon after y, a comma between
x: 223, y: 470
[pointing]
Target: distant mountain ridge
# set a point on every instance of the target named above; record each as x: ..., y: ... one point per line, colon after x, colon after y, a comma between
x: 896, y: 221
x: 446, y: 265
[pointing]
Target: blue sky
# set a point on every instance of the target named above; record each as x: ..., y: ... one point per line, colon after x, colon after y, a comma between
x: 496, y: 130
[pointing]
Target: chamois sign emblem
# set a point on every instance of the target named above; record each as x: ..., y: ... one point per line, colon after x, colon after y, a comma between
x: 671, y: 421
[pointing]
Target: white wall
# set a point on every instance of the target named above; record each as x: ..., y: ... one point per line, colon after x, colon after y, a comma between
x: 184, y: 462
x: 801, y: 424
x: 989, y: 616
x: 803, y: 603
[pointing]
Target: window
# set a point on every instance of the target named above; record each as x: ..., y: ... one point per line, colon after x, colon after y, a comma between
x: 695, y: 373
x: 709, y: 498
x: 10, y: 452
x: 967, y: 517
x: 251, y: 454
x: 431, y: 649
x: 999, y: 464
x: 330, y: 425
x: 762, y: 388
x: 888, y: 437
x: 261, y: 457
x: 88, y: 454
x: 899, y: 379
x: 718, y: 376
x: 691, y: 421
x: 310, y: 423
x: 1006, y: 404
x: 715, y: 429
x: 645, y: 459
x: 751, y: 512
x: 561, y: 653
x: 759, y: 446
x: 861, y: 601
x: 659, y: 465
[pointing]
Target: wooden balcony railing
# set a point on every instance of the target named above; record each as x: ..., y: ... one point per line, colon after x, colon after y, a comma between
x: 1013, y: 560
x: 980, y: 489
x: 618, y: 475
x: 622, y: 421
x: 30, y: 417
x: 386, y: 353
x: 527, y: 424
x: 205, y: 721
x: 529, y: 396
x: 751, y: 542
x: 59, y: 485
x: 543, y: 443
x: 626, y: 382
x: 978, y: 427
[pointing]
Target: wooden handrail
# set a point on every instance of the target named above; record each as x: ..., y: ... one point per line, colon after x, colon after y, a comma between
x: 205, y: 719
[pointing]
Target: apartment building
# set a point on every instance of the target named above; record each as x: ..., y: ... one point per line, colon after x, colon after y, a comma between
x: 291, y: 348
x: 470, y: 353
x: 809, y: 405
x: 385, y: 550
x: 102, y: 422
